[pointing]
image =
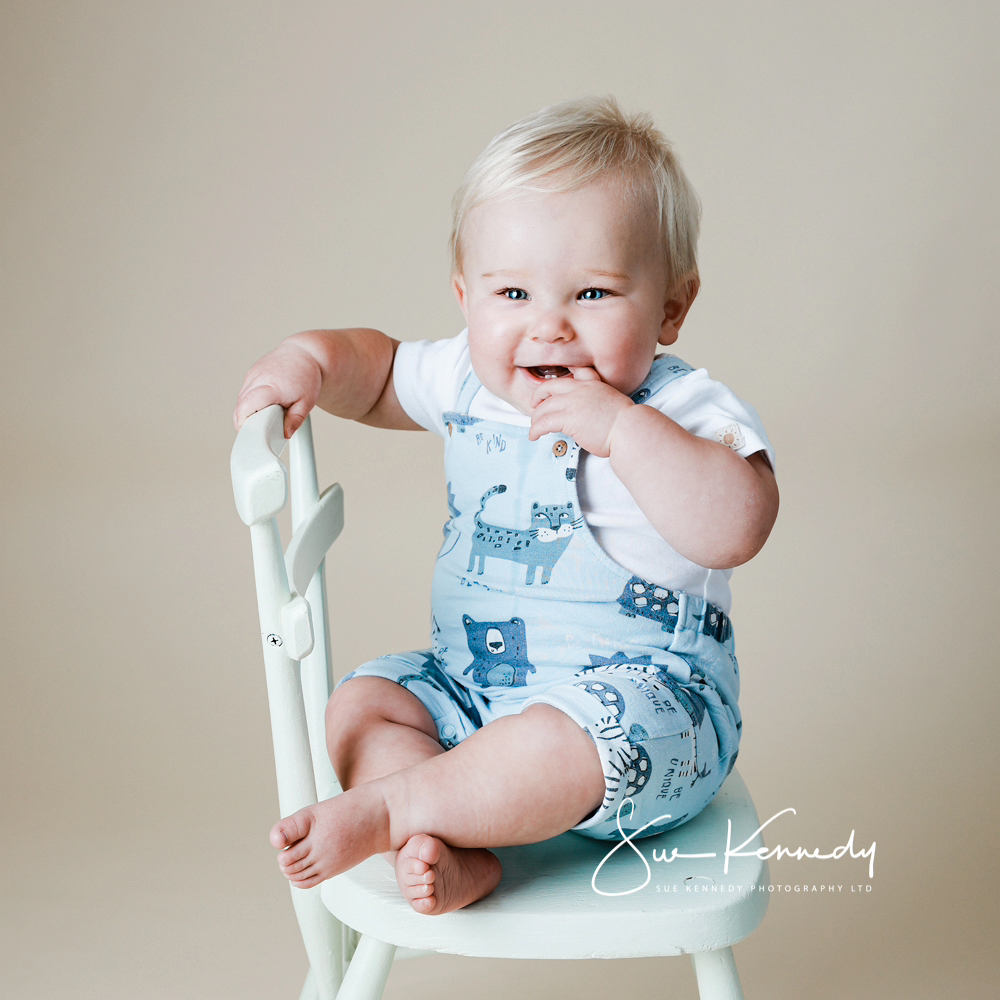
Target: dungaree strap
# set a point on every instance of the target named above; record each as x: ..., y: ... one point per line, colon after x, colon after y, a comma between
x: 470, y: 387
x: 666, y: 368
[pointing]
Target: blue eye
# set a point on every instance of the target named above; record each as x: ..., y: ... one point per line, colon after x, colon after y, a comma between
x: 590, y: 294
x: 514, y: 294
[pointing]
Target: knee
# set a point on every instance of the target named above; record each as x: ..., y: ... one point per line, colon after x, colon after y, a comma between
x: 364, y: 703
x: 555, y: 736
x: 550, y: 731
x: 551, y: 723
x: 353, y: 705
x: 348, y: 713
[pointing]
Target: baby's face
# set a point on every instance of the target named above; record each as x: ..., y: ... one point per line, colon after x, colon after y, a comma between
x: 557, y: 281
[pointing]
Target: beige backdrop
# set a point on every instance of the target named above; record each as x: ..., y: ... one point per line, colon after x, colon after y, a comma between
x: 186, y: 183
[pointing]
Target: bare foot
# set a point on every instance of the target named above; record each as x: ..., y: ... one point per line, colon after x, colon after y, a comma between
x: 435, y: 878
x: 326, y: 839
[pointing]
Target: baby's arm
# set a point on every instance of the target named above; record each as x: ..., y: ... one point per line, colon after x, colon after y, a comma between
x: 713, y: 506
x: 345, y: 372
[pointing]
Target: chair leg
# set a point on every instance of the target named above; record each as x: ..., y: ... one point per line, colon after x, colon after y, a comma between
x: 368, y: 971
x: 717, y: 975
x: 310, y: 991
x: 321, y: 937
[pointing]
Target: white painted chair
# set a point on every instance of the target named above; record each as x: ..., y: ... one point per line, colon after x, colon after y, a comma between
x: 681, y: 892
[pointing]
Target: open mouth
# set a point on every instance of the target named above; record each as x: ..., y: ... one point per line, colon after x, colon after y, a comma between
x: 549, y: 371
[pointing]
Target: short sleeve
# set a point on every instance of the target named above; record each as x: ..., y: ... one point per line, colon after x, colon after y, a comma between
x: 428, y: 376
x: 711, y: 410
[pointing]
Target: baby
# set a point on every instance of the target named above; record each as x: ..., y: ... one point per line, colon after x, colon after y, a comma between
x: 581, y: 675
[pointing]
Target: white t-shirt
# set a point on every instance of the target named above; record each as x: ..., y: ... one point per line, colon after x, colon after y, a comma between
x: 428, y: 375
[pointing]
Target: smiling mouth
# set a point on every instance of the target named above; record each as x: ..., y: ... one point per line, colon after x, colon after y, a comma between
x: 549, y: 371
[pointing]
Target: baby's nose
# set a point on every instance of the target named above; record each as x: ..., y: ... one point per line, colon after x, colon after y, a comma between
x: 552, y: 327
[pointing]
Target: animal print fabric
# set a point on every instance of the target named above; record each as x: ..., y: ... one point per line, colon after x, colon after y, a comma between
x: 527, y: 607
x: 655, y: 737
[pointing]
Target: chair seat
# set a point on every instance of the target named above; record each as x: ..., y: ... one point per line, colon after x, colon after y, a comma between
x: 547, y: 907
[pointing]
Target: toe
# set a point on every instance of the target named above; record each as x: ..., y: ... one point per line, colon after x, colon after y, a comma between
x: 305, y: 878
x: 426, y: 878
x: 291, y: 829
x: 426, y: 848
x: 415, y: 867
x: 293, y: 867
x: 292, y: 854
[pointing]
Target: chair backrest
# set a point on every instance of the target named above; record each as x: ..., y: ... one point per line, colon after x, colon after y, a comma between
x: 291, y: 596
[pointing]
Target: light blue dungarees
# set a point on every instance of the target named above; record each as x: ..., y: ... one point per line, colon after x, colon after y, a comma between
x: 527, y: 608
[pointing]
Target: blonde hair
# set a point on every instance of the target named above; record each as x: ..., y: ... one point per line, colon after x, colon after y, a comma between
x: 569, y: 145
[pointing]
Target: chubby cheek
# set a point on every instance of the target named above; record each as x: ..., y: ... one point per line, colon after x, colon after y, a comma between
x: 490, y: 348
x: 625, y: 378
x: 627, y: 369
x: 484, y: 357
x: 495, y: 373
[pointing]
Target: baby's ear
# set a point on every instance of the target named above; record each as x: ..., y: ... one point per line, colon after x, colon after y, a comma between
x: 676, y: 308
x: 458, y: 287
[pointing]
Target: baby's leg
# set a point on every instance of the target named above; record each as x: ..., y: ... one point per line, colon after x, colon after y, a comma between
x: 514, y: 808
x: 517, y: 780
x: 375, y: 726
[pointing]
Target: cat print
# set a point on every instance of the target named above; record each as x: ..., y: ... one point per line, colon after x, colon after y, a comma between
x: 540, y: 545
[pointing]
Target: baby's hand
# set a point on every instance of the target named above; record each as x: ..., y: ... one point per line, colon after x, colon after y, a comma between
x: 289, y: 375
x: 583, y: 407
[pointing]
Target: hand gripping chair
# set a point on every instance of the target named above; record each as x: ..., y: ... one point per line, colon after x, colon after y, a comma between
x: 690, y: 890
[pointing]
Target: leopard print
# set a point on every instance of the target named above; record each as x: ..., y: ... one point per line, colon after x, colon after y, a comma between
x: 552, y: 527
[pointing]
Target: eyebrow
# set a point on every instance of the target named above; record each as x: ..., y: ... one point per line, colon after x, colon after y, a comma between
x: 610, y: 274
x: 597, y: 273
